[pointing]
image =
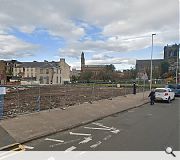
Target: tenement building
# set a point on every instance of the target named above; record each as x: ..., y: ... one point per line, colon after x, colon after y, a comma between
x: 43, y: 72
x: 2, y: 72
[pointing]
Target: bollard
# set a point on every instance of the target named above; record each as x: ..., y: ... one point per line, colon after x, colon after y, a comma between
x: 134, y: 87
x: 2, y: 93
x: 1, y: 105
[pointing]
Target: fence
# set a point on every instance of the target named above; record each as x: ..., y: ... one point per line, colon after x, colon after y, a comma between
x: 28, y: 99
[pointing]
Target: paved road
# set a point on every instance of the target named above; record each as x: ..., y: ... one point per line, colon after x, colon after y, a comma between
x: 145, y: 128
x: 5, y: 138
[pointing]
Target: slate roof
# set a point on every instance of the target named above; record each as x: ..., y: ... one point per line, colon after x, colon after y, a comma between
x: 38, y: 65
x: 95, y: 66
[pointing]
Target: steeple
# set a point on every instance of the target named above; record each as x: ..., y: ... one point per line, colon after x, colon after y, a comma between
x: 82, y: 61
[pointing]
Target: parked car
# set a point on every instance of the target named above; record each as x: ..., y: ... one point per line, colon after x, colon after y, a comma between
x: 175, y: 88
x: 164, y: 94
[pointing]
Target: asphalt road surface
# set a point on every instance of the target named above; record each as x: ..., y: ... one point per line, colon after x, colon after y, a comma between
x: 5, y: 138
x: 147, y: 128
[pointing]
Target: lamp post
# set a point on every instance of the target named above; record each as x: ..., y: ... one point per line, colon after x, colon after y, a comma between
x: 177, y: 68
x: 151, y: 62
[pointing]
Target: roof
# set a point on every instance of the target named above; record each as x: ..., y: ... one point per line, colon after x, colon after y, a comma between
x: 95, y: 66
x: 38, y: 65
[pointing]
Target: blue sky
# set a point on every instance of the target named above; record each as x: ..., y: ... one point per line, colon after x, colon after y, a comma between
x: 111, y: 33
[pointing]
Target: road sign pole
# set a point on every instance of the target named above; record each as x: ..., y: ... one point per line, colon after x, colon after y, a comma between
x: 1, y: 105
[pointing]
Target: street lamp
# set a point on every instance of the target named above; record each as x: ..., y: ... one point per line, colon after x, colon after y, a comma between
x: 151, y: 62
x: 177, y: 68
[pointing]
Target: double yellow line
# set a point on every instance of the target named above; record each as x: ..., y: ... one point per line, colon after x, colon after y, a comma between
x: 11, y: 150
x: 13, y: 147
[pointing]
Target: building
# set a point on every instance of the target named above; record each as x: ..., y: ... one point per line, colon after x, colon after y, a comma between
x: 9, y: 68
x: 144, y: 66
x: 2, y: 72
x: 171, y: 55
x: 95, y: 69
x: 75, y: 72
x: 43, y: 72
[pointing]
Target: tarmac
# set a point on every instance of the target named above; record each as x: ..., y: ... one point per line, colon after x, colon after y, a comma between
x: 25, y: 128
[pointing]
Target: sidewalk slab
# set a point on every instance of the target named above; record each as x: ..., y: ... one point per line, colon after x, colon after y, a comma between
x: 28, y: 127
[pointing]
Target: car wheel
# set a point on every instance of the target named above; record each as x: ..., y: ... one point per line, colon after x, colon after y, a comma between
x: 174, y: 98
x: 169, y: 100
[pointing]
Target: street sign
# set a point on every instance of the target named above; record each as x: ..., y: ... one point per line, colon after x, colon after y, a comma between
x: 2, y: 90
x: 144, y: 76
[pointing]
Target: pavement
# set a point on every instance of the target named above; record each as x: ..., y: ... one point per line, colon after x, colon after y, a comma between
x: 145, y: 128
x: 32, y: 126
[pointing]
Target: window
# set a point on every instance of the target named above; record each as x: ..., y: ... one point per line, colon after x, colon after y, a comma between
x: 47, y: 80
x: 60, y: 79
x: 41, y: 79
x: 47, y: 71
x: 41, y: 71
x: 57, y: 80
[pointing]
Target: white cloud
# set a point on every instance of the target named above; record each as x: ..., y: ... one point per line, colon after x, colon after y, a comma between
x: 11, y: 47
x: 120, y: 21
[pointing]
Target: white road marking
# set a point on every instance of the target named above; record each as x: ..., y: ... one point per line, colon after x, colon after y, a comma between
x: 105, y: 129
x: 58, y: 144
x: 28, y: 147
x: 96, y: 145
x: 70, y: 149
x: 54, y: 140
x: 116, y: 131
x: 79, y: 134
x: 86, y: 140
x: 107, y: 137
x: 101, y: 125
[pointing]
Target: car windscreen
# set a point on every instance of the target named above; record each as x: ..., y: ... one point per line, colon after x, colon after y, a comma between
x: 171, y: 86
x: 160, y: 90
x: 178, y: 86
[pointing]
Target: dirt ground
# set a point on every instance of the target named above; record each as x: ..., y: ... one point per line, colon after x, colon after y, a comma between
x: 22, y: 100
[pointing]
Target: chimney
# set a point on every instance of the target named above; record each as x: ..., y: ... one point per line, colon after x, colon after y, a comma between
x: 62, y: 60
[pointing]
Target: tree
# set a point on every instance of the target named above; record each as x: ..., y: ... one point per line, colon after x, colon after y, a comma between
x: 86, y: 76
x: 110, y: 68
x: 164, y: 67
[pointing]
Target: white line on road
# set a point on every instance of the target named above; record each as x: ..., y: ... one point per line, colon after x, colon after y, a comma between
x: 54, y: 140
x: 105, y: 129
x: 107, y: 137
x: 116, y: 131
x: 96, y: 145
x: 86, y: 140
x: 70, y: 149
x: 28, y: 147
x: 79, y: 134
x: 101, y: 125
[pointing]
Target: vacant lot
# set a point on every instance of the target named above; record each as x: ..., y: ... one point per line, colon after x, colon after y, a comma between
x: 21, y: 100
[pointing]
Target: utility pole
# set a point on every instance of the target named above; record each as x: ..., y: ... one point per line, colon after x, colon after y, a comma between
x: 151, y: 62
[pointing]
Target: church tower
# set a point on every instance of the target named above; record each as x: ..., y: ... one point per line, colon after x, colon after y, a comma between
x: 82, y: 61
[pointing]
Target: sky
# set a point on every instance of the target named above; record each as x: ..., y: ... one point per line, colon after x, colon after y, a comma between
x: 108, y: 31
